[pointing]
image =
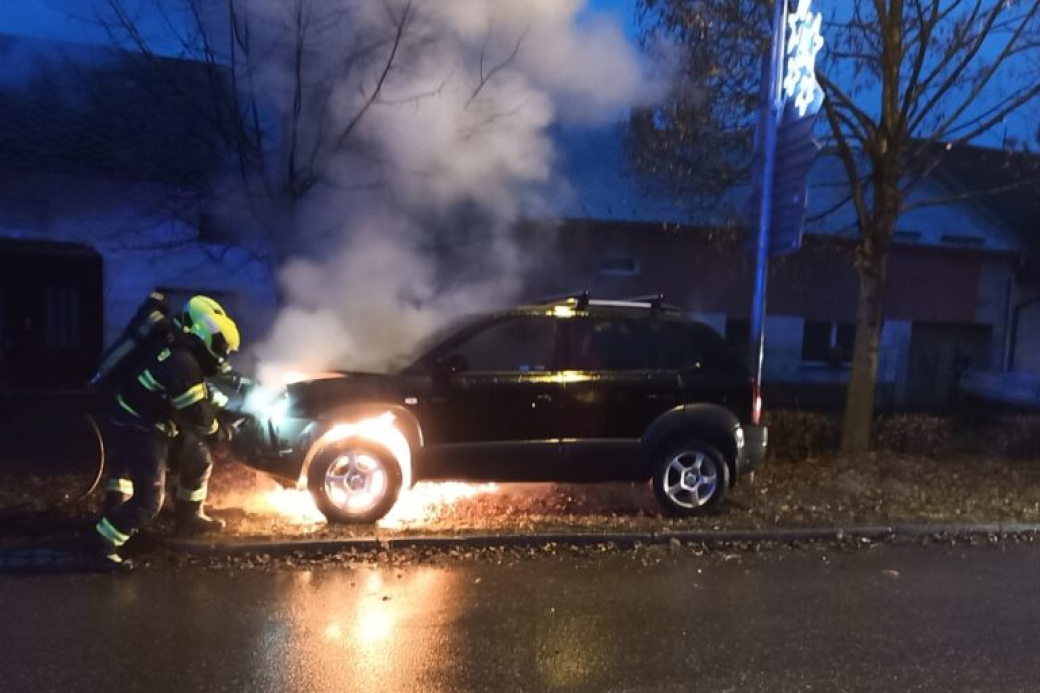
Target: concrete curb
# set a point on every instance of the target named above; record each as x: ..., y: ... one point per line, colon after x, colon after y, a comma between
x: 707, y: 537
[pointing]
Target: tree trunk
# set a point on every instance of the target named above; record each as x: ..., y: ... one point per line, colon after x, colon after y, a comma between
x: 859, y: 401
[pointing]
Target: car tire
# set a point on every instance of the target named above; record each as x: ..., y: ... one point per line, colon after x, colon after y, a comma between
x: 689, y: 478
x: 354, y: 481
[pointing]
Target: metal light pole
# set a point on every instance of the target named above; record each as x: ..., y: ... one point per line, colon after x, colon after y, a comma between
x: 771, y: 106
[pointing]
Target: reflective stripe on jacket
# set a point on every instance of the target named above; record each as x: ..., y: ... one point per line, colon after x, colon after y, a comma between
x: 170, y: 392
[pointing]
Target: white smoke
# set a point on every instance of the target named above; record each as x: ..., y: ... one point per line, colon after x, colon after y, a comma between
x: 411, y: 222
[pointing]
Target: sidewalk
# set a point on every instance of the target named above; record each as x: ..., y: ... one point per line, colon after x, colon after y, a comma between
x: 873, y: 497
x: 309, y: 548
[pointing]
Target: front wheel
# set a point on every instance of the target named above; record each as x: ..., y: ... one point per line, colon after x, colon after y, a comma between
x: 354, y: 482
x: 690, y: 478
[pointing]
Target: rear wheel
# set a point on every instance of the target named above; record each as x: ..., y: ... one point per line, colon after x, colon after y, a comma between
x: 690, y: 478
x: 354, y: 482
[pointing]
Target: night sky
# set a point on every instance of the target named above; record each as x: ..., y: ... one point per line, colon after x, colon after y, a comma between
x: 75, y: 20
x: 71, y: 20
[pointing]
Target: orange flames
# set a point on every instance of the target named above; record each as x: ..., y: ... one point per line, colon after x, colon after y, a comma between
x: 427, y: 501
x: 294, y: 506
x: 415, y: 507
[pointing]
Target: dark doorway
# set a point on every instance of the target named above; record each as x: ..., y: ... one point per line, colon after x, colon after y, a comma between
x: 939, y: 353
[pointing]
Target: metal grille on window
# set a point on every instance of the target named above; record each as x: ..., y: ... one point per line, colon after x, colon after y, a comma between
x: 828, y: 342
x: 63, y: 318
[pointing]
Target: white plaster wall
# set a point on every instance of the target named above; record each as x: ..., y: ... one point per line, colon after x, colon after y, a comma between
x: 783, y: 352
x: 141, y: 247
x: 991, y: 308
x: 894, y: 357
x: 783, y: 357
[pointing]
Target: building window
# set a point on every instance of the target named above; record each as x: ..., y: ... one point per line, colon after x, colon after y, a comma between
x: 619, y: 266
x: 828, y: 342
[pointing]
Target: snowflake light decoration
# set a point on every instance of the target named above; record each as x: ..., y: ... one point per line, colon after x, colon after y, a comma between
x: 803, y: 43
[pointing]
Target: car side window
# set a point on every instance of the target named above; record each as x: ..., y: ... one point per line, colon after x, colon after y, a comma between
x: 620, y: 344
x: 625, y: 344
x: 521, y: 344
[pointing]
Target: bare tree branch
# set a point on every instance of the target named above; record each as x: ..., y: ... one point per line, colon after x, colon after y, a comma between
x: 847, y: 105
x: 402, y: 24
x: 924, y: 43
x: 848, y: 160
x: 940, y: 201
x: 983, y: 80
x: 486, y: 77
x: 967, y: 54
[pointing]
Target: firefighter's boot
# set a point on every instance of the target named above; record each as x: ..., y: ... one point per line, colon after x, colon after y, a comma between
x: 103, y: 556
x: 190, y: 520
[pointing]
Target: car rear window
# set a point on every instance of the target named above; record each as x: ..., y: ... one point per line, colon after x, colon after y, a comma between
x: 597, y: 343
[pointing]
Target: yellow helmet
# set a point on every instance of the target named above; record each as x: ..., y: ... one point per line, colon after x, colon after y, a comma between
x: 204, y: 318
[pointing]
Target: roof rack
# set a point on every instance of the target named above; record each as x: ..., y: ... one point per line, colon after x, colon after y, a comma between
x: 579, y: 297
x: 582, y: 301
x: 656, y: 301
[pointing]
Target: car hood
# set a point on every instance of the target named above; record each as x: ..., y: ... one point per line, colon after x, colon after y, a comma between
x: 311, y: 398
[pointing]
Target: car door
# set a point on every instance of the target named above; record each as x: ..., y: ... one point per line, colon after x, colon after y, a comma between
x: 618, y: 383
x: 493, y: 409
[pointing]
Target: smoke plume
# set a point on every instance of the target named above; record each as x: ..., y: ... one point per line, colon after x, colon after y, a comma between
x: 427, y: 123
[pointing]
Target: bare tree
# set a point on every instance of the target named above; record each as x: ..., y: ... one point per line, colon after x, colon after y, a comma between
x: 273, y: 140
x: 905, y: 81
x: 699, y: 141
x: 278, y: 92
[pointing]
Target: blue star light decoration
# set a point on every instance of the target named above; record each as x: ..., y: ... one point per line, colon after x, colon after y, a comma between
x: 803, y: 43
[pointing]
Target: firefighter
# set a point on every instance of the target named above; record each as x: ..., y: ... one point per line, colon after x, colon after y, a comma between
x: 151, y: 405
x: 191, y: 459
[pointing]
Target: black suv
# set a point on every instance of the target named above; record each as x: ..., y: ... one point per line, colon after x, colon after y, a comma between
x: 573, y: 390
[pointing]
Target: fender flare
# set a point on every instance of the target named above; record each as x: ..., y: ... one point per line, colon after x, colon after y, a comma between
x: 708, y: 422
x: 404, y: 420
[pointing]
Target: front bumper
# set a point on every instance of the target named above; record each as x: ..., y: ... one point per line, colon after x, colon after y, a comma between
x: 267, y: 448
x: 756, y: 440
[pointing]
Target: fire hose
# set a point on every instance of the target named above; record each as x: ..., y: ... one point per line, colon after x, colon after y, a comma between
x: 92, y: 474
x: 90, y: 449
x: 99, y: 472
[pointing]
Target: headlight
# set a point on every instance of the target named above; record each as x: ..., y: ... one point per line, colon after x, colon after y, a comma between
x: 738, y: 435
x: 267, y: 404
x: 277, y: 411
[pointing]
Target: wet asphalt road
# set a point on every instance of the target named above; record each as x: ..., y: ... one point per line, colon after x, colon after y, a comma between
x: 891, y: 618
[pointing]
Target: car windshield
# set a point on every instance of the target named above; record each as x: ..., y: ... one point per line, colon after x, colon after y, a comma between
x: 415, y: 360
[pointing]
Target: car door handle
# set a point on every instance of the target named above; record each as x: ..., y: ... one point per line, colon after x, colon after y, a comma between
x: 659, y: 395
x: 541, y: 399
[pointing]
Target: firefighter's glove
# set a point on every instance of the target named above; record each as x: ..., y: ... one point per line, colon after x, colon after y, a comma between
x: 227, y: 432
x: 224, y: 434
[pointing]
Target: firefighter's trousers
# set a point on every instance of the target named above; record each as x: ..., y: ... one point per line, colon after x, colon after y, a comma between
x: 189, y: 459
x: 139, y: 455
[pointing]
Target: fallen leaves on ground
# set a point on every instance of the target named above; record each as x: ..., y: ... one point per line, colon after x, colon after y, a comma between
x: 832, y: 491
